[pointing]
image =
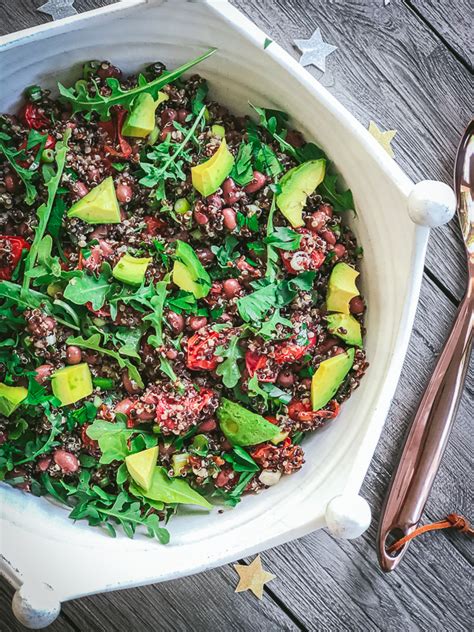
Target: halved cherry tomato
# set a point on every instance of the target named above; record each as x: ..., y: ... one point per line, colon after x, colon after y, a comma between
x: 17, y: 245
x: 30, y: 114
x: 309, y: 256
x: 114, y: 130
x: 201, y: 349
x: 289, y: 352
x: 302, y: 411
x: 261, y: 365
x: 154, y: 225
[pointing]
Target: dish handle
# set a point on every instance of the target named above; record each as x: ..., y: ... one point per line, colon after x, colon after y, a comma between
x: 431, y: 203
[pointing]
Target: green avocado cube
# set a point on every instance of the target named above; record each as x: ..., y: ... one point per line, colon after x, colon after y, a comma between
x: 131, y: 270
x: 244, y: 427
x: 296, y: 185
x: 10, y: 398
x: 208, y: 176
x: 99, y: 206
x: 188, y: 272
x: 341, y: 288
x: 328, y: 378
x: 345, y: 327
x: 72, y: 383
x: 141, y: 119
x: 141, y: 466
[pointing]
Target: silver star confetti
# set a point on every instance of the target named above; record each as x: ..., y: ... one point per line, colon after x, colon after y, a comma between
x: 58, y: 9
x: 314, y: 50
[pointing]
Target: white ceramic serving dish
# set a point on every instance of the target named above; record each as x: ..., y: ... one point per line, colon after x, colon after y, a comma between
x: 36, y: 535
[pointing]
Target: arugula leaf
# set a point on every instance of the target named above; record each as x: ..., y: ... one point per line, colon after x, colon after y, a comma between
x: 44, y: 211
x: 272, y: 255
x: 277, y: 393
x: 199, y: 99
x: 93, y: 343
x: 44, y: 445
x: 130, y: 339
x: 250, y: 221
x: 240, y: 460
x: 88, y: 288
x: 82, y: 101
x: 165, y: 366
x: 225, y: 254
x: 341, y: 200
x: 254, y: 306
x: 229, y: 369
x: 13, y: 292
x: 284, y: 238
x: 266, y: 160
x: 25, y: 175
x: 268, y: 328
x: 255, y: 390
x: 157, y: 303
x: 274, y: 121
x: 55, y: 224
x: 182, y: 302
x: 242, y: 171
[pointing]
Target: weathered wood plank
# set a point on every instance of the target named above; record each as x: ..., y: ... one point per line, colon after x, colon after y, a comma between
x: 338, y: 584
x: 391, y: 68
x: 203, y: 603
x: 453, y: 21
x: 8, y: 623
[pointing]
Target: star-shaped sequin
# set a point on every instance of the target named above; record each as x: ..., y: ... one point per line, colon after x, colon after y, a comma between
x: 314, y: 50
x: 383, y: 138
x: 253, y: 577
x: 58, y: 9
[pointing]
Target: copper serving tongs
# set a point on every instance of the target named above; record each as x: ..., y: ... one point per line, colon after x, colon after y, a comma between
x: 429, y: 431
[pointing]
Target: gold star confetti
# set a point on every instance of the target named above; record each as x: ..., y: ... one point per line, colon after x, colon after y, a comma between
x: 383, y: 138
x: 253, y: 577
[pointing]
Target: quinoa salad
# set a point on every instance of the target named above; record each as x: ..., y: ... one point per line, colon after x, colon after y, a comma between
x: 178, y: 297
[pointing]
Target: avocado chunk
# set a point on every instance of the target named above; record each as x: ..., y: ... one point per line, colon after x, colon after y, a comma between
x: 329, y: 377
x: 345, y: 327
x: 243, y: 427
x: 296, y: 185
x: 131, y: 270
x: 141, y: 119
x: 99, y: 206
x: 341, y: 288
x: 141, y: 466
x: 10, y: 398
x: 171, y: 490
x: 208, y: 176
x: 72, y: 383
x: 188, y: 272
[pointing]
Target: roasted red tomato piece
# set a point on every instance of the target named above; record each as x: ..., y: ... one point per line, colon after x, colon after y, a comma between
x: 310, y: 255
x: 262, y: 365
x: 289, y: 351
x: 31, y: 115
x: 201, y: 348
x: 11, y: 248
x: 113, y: 128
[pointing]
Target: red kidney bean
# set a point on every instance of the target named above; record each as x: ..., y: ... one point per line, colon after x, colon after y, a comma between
x: 316, y: 221
x: 200, y: 218
x: 197, y: 322
x: 339, y: 250
x: 106, y: 249
x: 11, y: 182
x: 168, y: 116
x: 357, y: 305
x: 175, y: 321
x: 230, y: 221
x: 205, y: 255
x: 73, y: 355
x: 286, y: 378
x: 231, y: 288
x: 165, y: 130
x: 328, y: 236
x: 44, y: 463
x: 80, y: 189
x: 214, y: 200
x: 128, y: 385
x: 337, y: 351
x: 225, y: 317
x: 222, y: 479
x: 171, y: 354
x: 256, y: 183
x: 69, y: 124
x: 66, y: 460
x: 166, y: 450
x: 326, y: 345
x: 124, y: 406
x: 124, y: 193
x: 207, y: 426
x: 107, y: 70
x: 306, y: 382
x: 226, y: 445
x: 326, y: 209
x: 49, y: 323
x: 146, y: 415
x: 93, y: 174
x: 43, y: 372
x: 230, y: 192
x: 295, y: 138
x: 182, y: 115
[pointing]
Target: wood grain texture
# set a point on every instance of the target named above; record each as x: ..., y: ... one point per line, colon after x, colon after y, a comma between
x: 391, y: 66
x: 446, y: 17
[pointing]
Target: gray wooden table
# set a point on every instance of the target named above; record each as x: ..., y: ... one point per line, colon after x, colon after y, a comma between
x: 408, y: 66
